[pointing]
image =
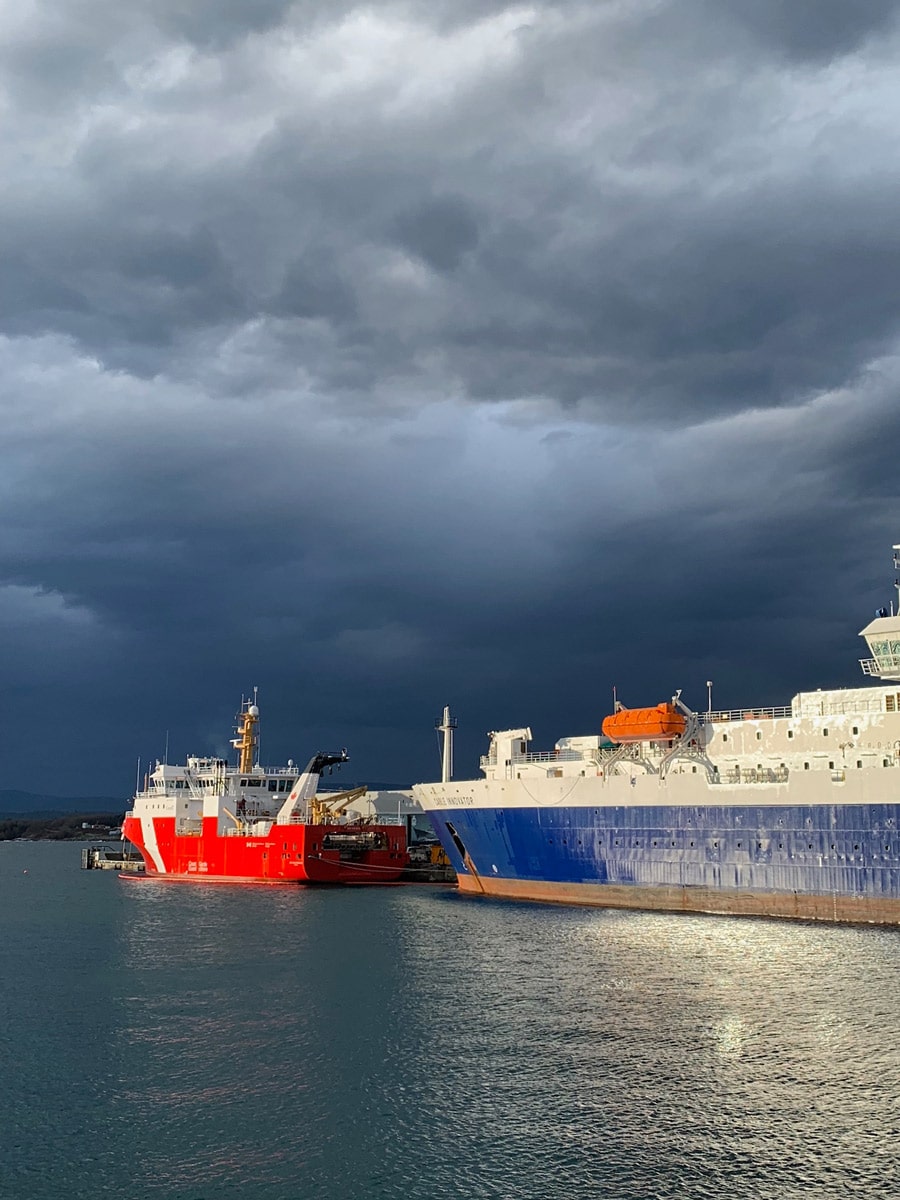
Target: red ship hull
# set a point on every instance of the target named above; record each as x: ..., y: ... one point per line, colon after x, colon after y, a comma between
x: 290, y: 853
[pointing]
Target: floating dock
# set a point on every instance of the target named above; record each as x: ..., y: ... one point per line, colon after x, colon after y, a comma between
x: 104, y: 858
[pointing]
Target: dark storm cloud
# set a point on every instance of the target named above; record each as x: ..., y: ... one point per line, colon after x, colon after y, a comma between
x: 678, y: 245
x: 813, y: 30
x: 440, y: 231
x: 393, y: 355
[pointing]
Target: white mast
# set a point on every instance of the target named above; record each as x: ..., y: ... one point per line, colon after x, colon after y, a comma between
x: 446, y: 726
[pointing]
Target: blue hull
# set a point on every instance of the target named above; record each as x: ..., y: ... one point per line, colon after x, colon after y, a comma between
x: 710, y: 858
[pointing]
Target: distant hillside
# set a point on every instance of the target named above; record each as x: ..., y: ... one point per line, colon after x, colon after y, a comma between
x: 21, y: 804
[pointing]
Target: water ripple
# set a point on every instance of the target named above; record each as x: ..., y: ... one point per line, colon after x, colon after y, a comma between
x: 219, y: 1043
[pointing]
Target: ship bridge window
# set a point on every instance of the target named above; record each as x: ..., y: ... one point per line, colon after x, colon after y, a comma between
x: 889, y: 704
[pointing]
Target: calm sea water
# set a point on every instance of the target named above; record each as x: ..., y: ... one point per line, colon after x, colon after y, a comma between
x: 215, y: 1043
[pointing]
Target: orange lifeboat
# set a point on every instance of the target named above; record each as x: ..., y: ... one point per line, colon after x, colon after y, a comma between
x: 661, y: 724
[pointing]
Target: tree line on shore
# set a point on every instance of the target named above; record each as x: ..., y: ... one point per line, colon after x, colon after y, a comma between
x: 61, y: 827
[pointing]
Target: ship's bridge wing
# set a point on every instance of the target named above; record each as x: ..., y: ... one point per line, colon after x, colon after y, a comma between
x: 883, y: 639
x: 507, y: 745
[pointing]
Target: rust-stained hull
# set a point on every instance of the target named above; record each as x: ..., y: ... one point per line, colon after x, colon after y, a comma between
x: 796, y: 905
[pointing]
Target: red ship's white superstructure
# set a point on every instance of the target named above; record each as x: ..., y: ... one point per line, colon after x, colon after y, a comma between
x: 209, y: 821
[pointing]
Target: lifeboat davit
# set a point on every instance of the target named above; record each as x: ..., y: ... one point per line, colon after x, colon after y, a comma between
x: 663, y: 723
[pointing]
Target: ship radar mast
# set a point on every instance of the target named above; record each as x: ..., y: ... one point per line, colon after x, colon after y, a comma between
x: 247, y: 738
x: 883, y: 637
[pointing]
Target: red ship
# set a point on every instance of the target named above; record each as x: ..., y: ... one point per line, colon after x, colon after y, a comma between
x: 210, y: 822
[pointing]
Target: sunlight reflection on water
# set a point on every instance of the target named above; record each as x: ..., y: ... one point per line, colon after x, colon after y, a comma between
x: 247, y: 1042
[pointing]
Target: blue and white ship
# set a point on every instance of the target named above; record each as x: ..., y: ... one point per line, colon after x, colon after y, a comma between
x: 784, y: 812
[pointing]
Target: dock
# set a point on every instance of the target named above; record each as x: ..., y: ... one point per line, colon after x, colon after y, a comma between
x: 104, y: 858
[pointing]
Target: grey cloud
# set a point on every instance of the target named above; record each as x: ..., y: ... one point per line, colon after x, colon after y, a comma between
x: 440, y: 231
x: 314, y: 287
x: 812, y: 30
x: 219, y: 23
x: 590, y: 286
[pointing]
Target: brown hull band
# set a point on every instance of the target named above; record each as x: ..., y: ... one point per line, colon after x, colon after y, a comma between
x: 797, y: 905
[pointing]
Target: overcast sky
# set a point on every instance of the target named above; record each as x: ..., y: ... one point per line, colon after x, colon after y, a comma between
x: 405, y: 354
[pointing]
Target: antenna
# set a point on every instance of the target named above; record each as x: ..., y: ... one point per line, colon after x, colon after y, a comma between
x: 166, y: 761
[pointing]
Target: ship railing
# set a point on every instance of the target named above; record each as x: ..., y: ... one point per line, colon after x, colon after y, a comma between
x: 544, y: 756
x: 541, y: 756
x: 746, y: 714
x: 879, y: 666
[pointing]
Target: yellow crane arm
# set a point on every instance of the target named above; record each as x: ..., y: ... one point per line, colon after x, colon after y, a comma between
x: 325, y: 808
